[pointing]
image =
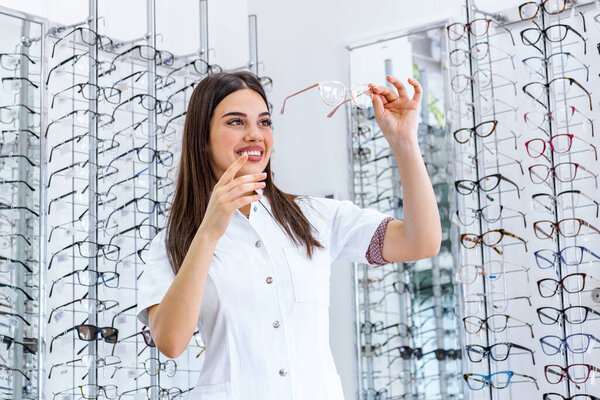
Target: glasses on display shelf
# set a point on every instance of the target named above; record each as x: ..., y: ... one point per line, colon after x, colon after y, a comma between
x: 16, y: 181
x: 497, y: 352
x: 378, y: 327
x: 129, y: 183
x: 81, y: 225
x: 494, y: 323
x: 553, y: 33
x: 30, y: 345
x: 87, y: 277
x: 576, y: 343
x: 563, y: 116
x: 406, y: 353
x: 572, y: 314
x: 103, y: 67
x: 171, y: 393
x: 4, y: 207
x: 486, y: 184
x: 145, y: 334
x: 576, y: 373
x: 81, y: 119
x: 87, y: 360
x: 560, y: 144
x: 145, y: 52
x: 479, y: 51
x: 85, y: 304
x: 563, y: 60
x: 142, y: 254
x: 477, y: 28
x: 90, y: 91
x: 489, y: 213
x: 490, y: 238
x: 4, y: 157
x: 141, y: 78
x: 334, y: 94
x: 148, y: 102
x: 497, y: 380
x: 530, y: 9
x: 15, y: 83
x: 558, y: 396
x: 539, y: 90
x: 90, y: 333
x: 564, y: 172
x: 172, y: 97
x: 567, y: 227
x: 169, y: 367
x: 547, y: 202
x: 492, y: 270
x: 167, y: 132
x: 6, y: 367
x: 142, y: 205
x: 497, y: 301
x: 79, y: 170
x: 144, y: 231
x: 12, y: 61
x: 445, y: 354
x: 482, y: 130
x: 9, y: 114
x: 17, y: 289
x: 199, y: 66
x: 571, y: 255
x: 145, y: 154
x: 12, y: 135
x: 90, y: 391
x: 86, y: 36
x: 8, y: 240
x: 572, y: 283
x: 89, y: 249
x: 15, y: 315
x: 481, y: 78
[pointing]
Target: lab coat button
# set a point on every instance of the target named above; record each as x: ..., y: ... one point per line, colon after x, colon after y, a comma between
x: 276, y: 324
x: 255, y: 209
x: 258, y: 243
x: 282, y: 372
x: 269, y: 280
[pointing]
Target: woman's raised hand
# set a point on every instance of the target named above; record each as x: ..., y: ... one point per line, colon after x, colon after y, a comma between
x: 395, y: 112
x: 228, y: 195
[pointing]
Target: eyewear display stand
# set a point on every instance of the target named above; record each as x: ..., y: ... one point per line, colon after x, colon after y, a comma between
x: 91, y: 127
x: 406, y: 324
x: 20, y: 159
x: 528, y: 76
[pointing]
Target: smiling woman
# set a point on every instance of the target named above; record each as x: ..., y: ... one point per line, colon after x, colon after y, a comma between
x: 245, y: 268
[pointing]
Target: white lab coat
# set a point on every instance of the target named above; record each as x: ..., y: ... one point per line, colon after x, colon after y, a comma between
x: 264, y: 315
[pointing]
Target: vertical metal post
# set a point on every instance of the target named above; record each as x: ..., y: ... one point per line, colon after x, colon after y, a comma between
x: 253, y: 36
x: 22, y: 196
x: 152, y: 141
x: 203, y: 53
x: 93, y: 182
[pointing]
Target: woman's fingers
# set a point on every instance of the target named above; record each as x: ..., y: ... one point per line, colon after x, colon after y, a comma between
x: 378, y: 104
x: 243, y: 180
x: 233, y: 169
x: 418, y: 96
x: 387, y: 93
x: 398, y: 85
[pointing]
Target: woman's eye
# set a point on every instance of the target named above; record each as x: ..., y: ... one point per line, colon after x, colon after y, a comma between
x: 266, y: 122
x: 235, y: 122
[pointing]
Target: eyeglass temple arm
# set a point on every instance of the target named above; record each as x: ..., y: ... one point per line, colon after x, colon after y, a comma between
x: 523, y: 322
x: 529, y: 377
x: 294, y: 94
x: 337, y: 107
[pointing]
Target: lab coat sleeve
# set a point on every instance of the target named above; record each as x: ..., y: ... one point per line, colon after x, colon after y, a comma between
x: 352, y: 229
x: 156, y: 278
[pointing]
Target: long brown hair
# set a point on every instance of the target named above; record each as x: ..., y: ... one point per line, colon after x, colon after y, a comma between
x: 196, y: 179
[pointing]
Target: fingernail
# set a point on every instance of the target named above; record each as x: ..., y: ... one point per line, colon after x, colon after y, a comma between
x: 264, y: 174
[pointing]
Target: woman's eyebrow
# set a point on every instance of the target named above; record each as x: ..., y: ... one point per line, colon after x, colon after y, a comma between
x: 239, y: 114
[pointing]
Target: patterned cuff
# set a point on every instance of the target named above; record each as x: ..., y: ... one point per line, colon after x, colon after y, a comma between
x: 373, y: 254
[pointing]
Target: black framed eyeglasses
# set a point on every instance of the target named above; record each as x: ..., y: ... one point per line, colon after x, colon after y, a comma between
x: 101, y: 118
x: 85, y: 303
x: 537, y: 90
x: 145, y: 52
x: 495, y: 323
x: 573, y: 315
x: 90, y: 91
x: 30, y: 345
x: 497, y: 352
x: 103, y: 67
x: 486, y: 184
x: 89, y: 249
x: 553, y: 33
x: 90, y: 333
x: 14, y: 83
x: 88, y: 277
x: 547, y: 201
x: 88, y: 37
x: 200, y: 66
x: 12, y: 61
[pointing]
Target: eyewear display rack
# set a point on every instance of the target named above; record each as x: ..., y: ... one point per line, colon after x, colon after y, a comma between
x: 20, y: 126
x: 406, y: 324
x: 90, y: 186
x: 525, y: 199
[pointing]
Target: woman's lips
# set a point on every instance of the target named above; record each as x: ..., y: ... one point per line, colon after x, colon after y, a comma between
x: 253, y: 157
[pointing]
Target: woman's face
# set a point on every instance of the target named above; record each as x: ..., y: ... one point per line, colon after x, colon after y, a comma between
x: 241, y: 122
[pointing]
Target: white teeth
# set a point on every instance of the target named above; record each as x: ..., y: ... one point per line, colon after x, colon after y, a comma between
x: 250, y: 153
